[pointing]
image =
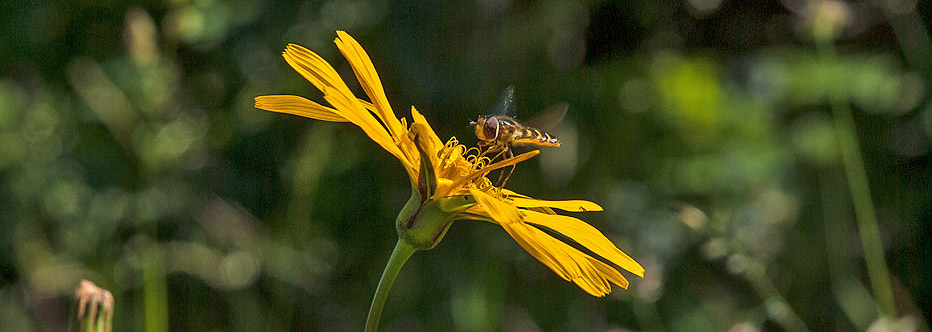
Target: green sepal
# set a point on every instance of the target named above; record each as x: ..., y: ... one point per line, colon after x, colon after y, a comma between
x: 423, y: 226
x: 456, y: 203
x: 426, y: 177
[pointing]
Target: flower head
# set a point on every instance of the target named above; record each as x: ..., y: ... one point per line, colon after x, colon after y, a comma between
x: 449, y: 180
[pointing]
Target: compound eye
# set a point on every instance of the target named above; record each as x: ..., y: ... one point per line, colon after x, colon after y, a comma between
x: 490, y: 130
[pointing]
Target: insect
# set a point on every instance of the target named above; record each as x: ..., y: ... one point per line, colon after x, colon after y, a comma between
x: 501, y: 133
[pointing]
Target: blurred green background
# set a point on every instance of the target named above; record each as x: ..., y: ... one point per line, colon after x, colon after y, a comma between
x: 131, y: 155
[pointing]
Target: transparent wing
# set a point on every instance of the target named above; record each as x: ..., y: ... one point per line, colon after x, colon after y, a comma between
x: 549, y: 117
x: 506, y: 103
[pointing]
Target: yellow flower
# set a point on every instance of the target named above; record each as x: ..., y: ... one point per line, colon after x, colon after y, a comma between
x: 448, y: 180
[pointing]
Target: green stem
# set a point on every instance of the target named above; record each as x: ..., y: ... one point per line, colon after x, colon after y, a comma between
x: 775, y: 304
x: 155, y: 291
x: 850, y: 294
x: 400, y: 255
x: 857, y: 183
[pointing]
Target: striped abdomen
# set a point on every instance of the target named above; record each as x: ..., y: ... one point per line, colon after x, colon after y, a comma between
x: 533, y: 136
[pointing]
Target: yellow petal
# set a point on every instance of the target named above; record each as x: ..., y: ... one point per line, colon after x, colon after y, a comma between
x: 590, y: 274
x: 499, y: 210
x: 409, y: 150
x: 571, y: 205
x: 609, y: 273
x: 358, y: 115
x: 298, y: 106
x: 587, y: 236
x: 546, y: 210
x: 418, y: 118
x: 423, y: 134
x: 314, y: 68
x: 513, y: 194
x: 509, y: 218
x: 322, y: 75
x: 369, y: 80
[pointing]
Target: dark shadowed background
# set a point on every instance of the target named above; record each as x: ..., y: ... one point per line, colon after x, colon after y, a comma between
x: 131, y: 155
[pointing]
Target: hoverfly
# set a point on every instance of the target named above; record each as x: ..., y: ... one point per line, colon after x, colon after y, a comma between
x: 501, y: 133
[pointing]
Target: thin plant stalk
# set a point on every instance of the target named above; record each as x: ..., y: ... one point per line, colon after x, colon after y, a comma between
x: 775, y: 304
x: 400, y: 255
x: 851, y: 295
x: 857, y: 183
x: 155, y: 291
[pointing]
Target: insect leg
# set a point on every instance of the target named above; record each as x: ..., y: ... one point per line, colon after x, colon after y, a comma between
x: 510, y: 171
x: 488, y: 148
x: 500, y: 154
